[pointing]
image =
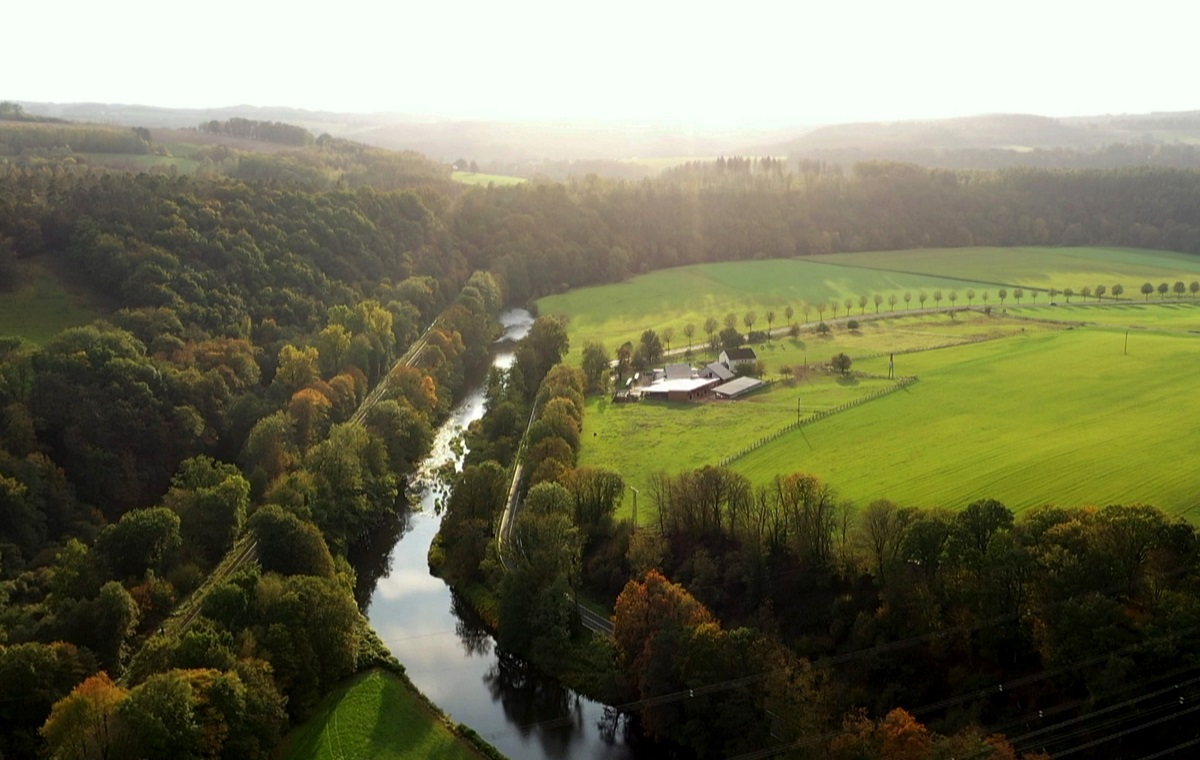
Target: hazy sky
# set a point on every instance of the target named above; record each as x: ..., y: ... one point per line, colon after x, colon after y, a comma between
x: 733, y: 64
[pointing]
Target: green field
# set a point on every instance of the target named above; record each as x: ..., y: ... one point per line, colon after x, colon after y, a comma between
x: 375, y: 716
x: 1063, y: 417
x: 675, y: 297
x: 41, y: 307
x: 1042, y: 268
x: 473, y: 178
x: 1030, y: 404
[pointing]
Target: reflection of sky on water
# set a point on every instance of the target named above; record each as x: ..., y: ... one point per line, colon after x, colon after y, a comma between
x: 454, y: 662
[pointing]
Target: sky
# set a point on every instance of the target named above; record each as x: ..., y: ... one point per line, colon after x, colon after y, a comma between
x: 736, y: 64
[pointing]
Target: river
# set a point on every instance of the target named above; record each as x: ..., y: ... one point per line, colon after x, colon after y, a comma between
x: 449, y: 656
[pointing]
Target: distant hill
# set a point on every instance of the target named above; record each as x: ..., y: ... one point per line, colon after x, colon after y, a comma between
x: 446, y: 140
x: 997, y: 140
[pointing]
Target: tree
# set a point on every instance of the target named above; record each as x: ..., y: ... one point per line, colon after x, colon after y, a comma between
x: 907, y: 298
x: 881, y: 531
x: 923, y: 297
x: 667, y: 334
x: 649, y: 350
x: 892, y: 301
x: 625, y: 358
x: 748, y: 319
x: 710, y: 327
x: 595, y: 365
x: 141, y: 541
x: 878, y: 299
x: 984, y: 297
x: 1147, y: 289
x: 1118, y: 290
x: 820, y: 307
x: 805, y: 307
x: 953, y: 298
x: 841, y: 363
x: 789, y: 312
x: 289, y: 545
x: 211, y: 500
x: 1179, y: 288
x: 970, y: 296
x: 1100, y: 291
x: 1018, y: 294
x: 1067, y: 293
x: 862, y: 305
x: 770, y: 321
x: 1085, y: 293
x: 1053, y: 293
x: 1194, y: 288
x: 297, y: 369
x: 847, y: 303
x: 1002, y: 294
x: 730, y: 321
x: 937, y: 297
x: 689, y: 331
x: 1162, y: 290
x: 83, y: 725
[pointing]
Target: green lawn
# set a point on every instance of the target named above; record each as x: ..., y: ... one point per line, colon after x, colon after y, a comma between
x: 473, y: 178
x: 41, y: 307
x: 375, y: 716
x: 1061, y: 417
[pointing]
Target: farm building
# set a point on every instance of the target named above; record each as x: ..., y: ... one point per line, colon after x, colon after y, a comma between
x: 718, y: 371
x: 738, y: 387
x: 680, y: 389
x: 736, y: 357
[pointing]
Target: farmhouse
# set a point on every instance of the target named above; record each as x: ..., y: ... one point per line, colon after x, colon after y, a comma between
x: 736, y: 357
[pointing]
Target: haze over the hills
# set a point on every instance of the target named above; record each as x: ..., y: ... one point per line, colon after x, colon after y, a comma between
x: 762, y: 65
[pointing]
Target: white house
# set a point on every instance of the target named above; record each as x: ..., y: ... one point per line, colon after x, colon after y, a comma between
x: 736, y: 357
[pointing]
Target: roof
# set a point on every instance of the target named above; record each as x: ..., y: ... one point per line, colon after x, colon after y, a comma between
x: 681, y: 385
x: 737, y: 387
x: 678, y: 371
x: 739, y: 354
x: 717, y: 369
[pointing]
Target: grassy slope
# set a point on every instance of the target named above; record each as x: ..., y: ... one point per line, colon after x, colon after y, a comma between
x: 1056, y: 416
x: 41, y: 306
x: 1035, y: 267
x: 375, y: 716
x: 472, y: 178
x: 675, y: 297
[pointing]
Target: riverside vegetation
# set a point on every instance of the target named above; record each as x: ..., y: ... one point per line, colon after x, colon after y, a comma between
x: 241, y: 315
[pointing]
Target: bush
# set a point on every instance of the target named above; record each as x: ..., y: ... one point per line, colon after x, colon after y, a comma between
x: 852, y: 324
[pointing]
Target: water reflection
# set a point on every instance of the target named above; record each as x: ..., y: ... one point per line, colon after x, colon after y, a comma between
x: 446, y: 650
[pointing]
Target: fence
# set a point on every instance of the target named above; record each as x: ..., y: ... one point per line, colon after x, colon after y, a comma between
x: 902, y: 382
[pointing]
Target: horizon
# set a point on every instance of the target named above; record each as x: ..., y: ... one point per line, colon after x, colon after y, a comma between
x: 770, y: 67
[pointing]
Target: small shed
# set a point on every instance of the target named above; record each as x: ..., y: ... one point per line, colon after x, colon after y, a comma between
x: 738, y: 387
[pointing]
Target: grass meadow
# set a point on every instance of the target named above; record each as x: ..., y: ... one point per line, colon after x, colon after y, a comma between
x: 40, y: 307
x: 613, y: 314
x: 1060, y: 417
x: 375, y: 716
x: 1031, y: 404
x: 474, y: 178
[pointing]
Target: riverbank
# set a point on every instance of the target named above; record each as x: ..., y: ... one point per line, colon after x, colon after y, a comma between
x: 379, y: 714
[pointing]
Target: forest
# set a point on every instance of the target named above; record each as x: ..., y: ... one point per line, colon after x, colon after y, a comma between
x: 243, y: 319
